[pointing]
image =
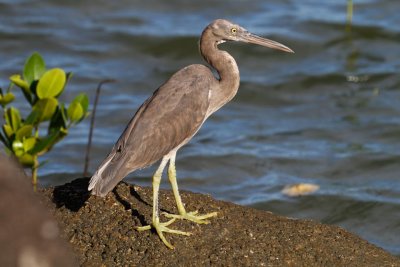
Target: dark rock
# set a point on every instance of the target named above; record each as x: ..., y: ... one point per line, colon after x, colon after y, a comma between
x: 29, y: 235
x: 102, y: 232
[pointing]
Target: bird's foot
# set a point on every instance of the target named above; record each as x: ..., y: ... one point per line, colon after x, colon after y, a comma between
x: 192, y: 216
x: 161, y: 228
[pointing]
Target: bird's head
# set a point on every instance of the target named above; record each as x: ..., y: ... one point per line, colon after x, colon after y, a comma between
x: 225, y: 30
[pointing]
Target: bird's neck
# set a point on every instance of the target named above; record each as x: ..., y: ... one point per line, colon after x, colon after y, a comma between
x: 225, y: 65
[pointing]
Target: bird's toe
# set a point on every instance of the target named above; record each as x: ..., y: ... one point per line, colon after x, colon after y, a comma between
x: 162, y: 228
x: 192, y: 216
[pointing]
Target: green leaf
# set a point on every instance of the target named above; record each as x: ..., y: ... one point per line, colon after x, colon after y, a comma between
x: 44, y: 145
x: 13, y: 118
x: 18, y: 148
x: 51, y: 84
x: 75, y: 112
x: 16, y: 79
x: 69, y: 76
x: 63, y: 132
x: 8, y: 131
x: 18, y: 153
x: 27, y: 160
x: 34, y: 68
x: 29, y: 143
x: 33, y: 117
x: 24, y: 131
x: 83, y: 100
x: 58, y: 120
x: 64, y: 114
x: 6, y: 99
x: 45, y: 108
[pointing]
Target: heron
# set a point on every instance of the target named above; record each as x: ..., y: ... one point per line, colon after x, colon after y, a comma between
x: 169, y: 119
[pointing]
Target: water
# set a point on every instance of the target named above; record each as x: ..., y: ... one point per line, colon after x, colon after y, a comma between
x: 327, y: 115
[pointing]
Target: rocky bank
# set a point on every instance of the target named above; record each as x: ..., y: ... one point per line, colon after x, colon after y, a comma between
x: 101, y: 232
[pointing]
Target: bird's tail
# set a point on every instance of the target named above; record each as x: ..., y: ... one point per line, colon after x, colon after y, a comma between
x: 107, y: 176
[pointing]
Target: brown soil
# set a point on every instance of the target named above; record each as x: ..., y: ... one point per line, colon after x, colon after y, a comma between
x: 102, y: 232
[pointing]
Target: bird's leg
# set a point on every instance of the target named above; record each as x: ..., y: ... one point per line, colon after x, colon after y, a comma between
x: 156, y: 224
x: 191, y: 216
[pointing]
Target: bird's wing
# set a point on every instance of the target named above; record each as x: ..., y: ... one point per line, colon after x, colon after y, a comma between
x: 168, y: 119
x: 172, y: 116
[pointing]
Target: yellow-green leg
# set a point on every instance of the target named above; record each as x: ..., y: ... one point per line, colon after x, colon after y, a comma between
x: 156, y: 224
x: 191, y: 216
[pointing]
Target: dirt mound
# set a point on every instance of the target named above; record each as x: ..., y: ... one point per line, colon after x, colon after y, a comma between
x: 101, y: 231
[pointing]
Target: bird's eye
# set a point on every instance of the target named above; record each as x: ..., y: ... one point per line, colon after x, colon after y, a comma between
x: 233, y: 30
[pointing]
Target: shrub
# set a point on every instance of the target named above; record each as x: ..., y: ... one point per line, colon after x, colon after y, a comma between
x: 27, y: 137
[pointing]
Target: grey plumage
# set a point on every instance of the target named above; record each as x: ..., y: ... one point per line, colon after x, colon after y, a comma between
x: 165, y: 121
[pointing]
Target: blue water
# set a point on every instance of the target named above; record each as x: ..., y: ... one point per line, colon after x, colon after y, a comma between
x: 327, y: 115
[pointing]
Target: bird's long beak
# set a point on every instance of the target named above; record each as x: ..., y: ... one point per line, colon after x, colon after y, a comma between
x: 254, y: 39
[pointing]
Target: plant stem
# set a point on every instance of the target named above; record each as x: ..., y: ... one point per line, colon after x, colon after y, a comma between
x: 34, y: 173
x: 349, y: 15
x: 87, y: 157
